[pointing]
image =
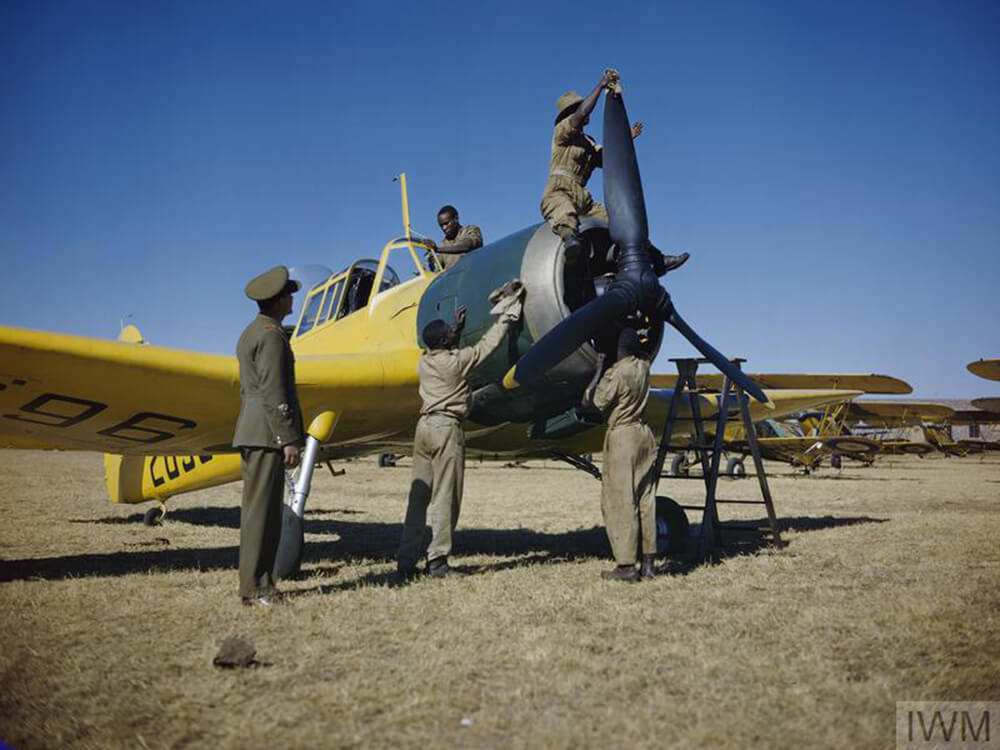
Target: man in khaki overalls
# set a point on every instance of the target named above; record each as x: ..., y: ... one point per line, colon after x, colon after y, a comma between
x: 575, y: 156
x: 269, y: 431
x: 439, y: 442
x: 458, y: 239
x: 627, y: 487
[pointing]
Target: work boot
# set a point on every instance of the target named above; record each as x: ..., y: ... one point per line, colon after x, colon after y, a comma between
x: 647, y: 570
x: 405, y: 573
x: 626, y: 573
x: 438, y: 567
x: 673, y: 262
x: 573, y: 244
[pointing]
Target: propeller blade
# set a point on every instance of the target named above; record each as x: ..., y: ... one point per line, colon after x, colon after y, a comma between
x: 623, y: 197
x: 717, y: 358
x: 566, y: 336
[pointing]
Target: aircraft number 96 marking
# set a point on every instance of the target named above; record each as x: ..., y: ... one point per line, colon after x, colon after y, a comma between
x: 56, y: 410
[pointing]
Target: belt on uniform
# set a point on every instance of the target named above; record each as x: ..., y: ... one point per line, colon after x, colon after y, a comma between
x: 560, y: 172
x: 445, y: 414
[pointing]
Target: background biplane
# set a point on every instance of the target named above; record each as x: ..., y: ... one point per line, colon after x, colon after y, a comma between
x: 164, y: 418
x: 803, y: 442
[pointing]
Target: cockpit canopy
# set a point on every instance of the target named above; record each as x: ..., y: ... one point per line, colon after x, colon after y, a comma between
x: 334, y: 296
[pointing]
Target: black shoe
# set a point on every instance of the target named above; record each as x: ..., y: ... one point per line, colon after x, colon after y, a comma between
x: 648, y: 569
x: 405, y: 573
x: 438, y: 568
x: 573, y: 245
x: 621, y: 573
x: 673, y: 262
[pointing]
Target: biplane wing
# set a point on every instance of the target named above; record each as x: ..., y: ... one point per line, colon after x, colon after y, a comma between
x: 987, y: 403
x: 985, y: 368
x: 897, y: 413
x: 874, y: 383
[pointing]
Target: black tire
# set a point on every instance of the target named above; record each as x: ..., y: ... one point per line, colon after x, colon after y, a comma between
x: 735, y: 468
x: 835, y: 461
x: 289, y: 557
x: 153, y: 516
x: 679, y: 466
x: 672, y: 526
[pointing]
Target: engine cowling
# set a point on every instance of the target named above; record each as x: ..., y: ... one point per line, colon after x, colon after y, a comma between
x: 554, y: 289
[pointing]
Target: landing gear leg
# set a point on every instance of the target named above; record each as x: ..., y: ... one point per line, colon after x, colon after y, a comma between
x: 289, y: 557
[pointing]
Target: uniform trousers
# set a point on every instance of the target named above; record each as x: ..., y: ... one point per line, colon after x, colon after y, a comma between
x: 627, y: 487
x: 435, y: 489
x: 263, y: 471
x: 565, y: 201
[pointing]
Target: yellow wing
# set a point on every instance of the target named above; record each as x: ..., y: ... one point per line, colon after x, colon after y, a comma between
x: 890, y: 413
x: 76, y: 393
x: 985, y: 368
x: 781, y: 380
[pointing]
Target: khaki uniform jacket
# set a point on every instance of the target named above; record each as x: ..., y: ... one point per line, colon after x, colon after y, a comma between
x: 575, y: 156
x: 444, y: 374
x: 270, y: 415
x: 623, y: 392
x: 466, y: 232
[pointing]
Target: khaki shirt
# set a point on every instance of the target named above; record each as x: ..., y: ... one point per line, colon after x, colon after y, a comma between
x: 466, y: 232
x: 575, y: 155
x: 623, y: 391
x: 270, y: 415
x: 444, y: 374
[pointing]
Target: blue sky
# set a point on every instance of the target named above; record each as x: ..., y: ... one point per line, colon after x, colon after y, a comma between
x: 832, y: 167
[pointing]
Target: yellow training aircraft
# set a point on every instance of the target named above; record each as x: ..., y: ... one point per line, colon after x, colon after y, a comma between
x: 164, y: 417
x: 815, y: 436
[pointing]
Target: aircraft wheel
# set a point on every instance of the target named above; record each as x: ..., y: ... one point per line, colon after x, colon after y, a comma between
x: 679, y: 466
x: 735, y: 468
x: 386, y: 460
x: 154, y: 516
x: 289, y: 557
x: 835, y: 462
x: 671, y: 526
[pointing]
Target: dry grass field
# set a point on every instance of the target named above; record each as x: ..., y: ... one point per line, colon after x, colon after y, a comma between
x: 886, y: 591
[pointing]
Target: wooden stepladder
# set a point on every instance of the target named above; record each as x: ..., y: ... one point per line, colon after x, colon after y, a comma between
x: 732, y: 397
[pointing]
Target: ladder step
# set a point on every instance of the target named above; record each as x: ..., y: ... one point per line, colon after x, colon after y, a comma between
x: 741, y: 502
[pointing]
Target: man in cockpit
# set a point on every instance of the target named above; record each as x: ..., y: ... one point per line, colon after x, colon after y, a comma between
x: 458, y: 240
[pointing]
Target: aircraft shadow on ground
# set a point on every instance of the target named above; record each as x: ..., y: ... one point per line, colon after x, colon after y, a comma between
x: 376, y: 542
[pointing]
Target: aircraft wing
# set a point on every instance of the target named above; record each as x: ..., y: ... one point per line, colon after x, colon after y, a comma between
x: 782, y: 380
x: 891, y: 413
x: 985, y: 368
x: 74, y: 393
x: 974, y: 416
x: 987, y: 403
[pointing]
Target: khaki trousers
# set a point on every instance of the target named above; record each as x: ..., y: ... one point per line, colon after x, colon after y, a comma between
x: 435, y: 489
x: 565, y: 201
x: 627, y: 488
x: 263, y: 471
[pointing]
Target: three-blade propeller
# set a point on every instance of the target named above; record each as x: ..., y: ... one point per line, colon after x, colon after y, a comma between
x: 635, y: 286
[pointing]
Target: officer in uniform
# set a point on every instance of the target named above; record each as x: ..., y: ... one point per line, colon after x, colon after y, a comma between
x: 458, y: 239
x: 627, y: 487
x: 269, y: 431
x: 439, y: 442
x: 575, y: 156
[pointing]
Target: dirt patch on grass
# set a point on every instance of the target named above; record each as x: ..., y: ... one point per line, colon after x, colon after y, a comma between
x: 886, y: 591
